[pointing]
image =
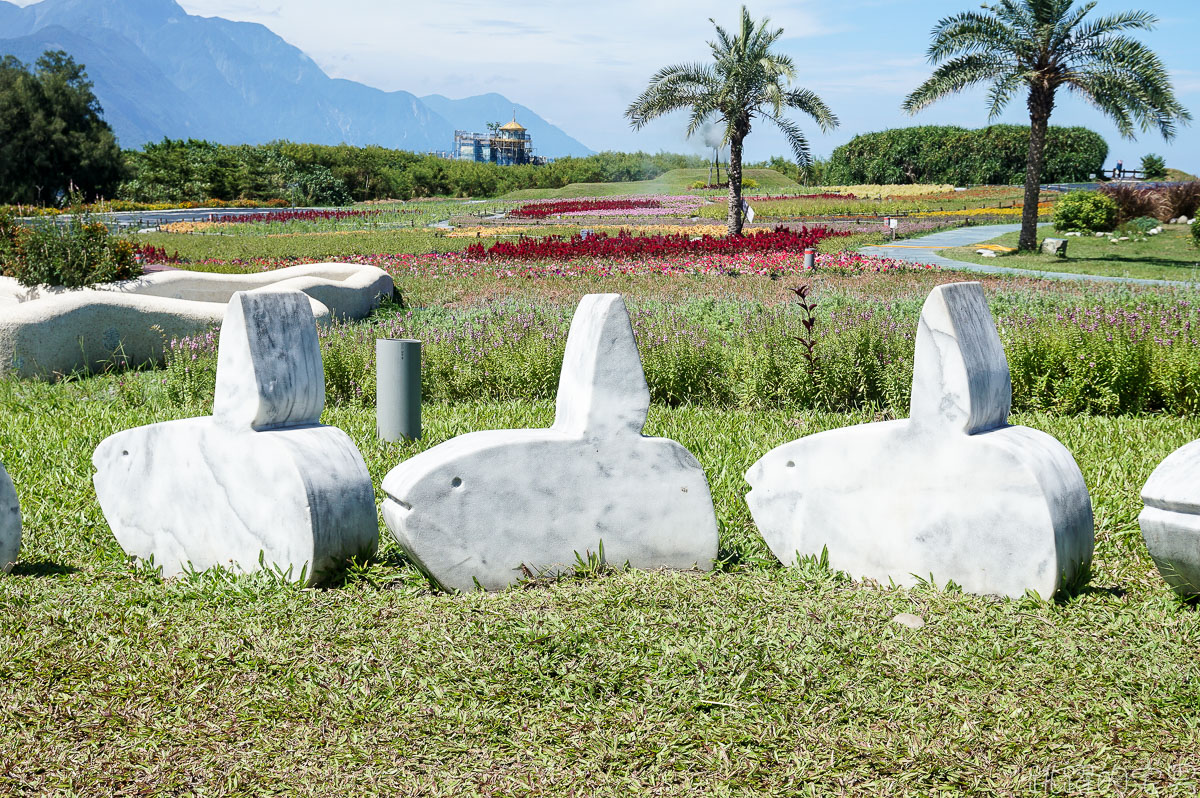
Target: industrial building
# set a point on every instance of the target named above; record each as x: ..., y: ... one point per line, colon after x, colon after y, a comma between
x: 506, y: 145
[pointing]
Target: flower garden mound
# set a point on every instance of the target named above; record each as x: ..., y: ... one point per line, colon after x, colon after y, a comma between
x: 46, y: 332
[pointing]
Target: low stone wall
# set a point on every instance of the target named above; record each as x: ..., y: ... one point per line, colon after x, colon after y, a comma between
x: 46, y: 333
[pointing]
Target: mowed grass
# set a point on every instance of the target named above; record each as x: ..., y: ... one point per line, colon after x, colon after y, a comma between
x: 749, y: 680
x: 1167, y: 256
x: 676, y: 181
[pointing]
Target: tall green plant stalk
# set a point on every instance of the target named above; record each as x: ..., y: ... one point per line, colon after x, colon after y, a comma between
x: 1040, y: 46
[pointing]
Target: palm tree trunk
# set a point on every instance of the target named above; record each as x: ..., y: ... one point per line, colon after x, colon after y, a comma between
x: 735, y: 185
x: 1041, y: 103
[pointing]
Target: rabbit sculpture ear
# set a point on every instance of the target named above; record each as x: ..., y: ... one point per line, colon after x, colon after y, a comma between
x: 602, y: 391
x: 269, y: 371
x: 960, y: 374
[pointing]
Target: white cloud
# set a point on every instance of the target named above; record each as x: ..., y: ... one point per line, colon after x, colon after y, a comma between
x: 579, y: 61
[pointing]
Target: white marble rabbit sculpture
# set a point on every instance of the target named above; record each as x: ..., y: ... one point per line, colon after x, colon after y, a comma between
x: 486, y: 508
x: 953, y: 492
x: 260, y: 483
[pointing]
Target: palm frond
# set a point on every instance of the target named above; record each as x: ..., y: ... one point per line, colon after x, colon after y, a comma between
x: 968, y: 32
x: 954, y: 76
x: 795, y: 138
x: 808, y: 103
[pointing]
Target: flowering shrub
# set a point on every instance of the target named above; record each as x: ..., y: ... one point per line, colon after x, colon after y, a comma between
x: 625, y: 244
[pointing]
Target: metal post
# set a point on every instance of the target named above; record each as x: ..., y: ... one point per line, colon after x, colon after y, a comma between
x: 810, y: 259
x: 397, y: 389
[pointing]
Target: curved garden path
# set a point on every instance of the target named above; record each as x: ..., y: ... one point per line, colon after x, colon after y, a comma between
x: 924, y: 249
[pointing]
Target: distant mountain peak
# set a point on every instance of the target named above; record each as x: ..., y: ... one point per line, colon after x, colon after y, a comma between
x: 159, y: 71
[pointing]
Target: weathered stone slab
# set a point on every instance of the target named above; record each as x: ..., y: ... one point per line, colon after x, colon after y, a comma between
x: 953, y: 493
x: 486, y: 508
x: 260, y: 483
x: 1171, y: 519
x: 1055, y: 246
x: 10, y: 522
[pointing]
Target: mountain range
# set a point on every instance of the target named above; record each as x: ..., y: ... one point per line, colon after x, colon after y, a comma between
x: 161, y: 72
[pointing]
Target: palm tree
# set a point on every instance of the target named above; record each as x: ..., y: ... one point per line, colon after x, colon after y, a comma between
x: 745, y: 81
x: 1042, y: 46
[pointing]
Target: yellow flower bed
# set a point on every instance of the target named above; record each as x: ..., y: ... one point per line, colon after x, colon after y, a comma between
x: 187, y: 227
x: 872, y: 191
x: 1043, y: 207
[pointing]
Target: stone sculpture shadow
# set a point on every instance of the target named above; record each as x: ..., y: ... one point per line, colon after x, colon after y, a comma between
x: 483, y: 508
x: 260, y: 483
x: 10, y: 523
x: 1170, y: 521
x: 953, y: 493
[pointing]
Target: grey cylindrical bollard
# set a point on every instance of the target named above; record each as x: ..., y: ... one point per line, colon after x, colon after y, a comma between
x: 810, y: 259
x: 397, y: 389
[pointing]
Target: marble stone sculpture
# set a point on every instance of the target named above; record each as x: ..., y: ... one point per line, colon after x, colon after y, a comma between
x: 486, y: 508
x: 260, y: 483
x: 46, y: 332
x: 10, y: 522
x: 953, y: 492
x: 1171, y: 519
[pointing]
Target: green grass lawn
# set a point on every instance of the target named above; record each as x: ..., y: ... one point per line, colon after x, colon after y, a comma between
x: 1168, y: 256
x: 676, y: 181
x: 750, y: 680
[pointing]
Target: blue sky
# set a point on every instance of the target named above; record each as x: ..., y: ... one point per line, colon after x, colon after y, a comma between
x: 580, y: 64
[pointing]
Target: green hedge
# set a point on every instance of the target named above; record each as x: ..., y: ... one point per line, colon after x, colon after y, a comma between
x: 993, y: 155
x: 316, y: 174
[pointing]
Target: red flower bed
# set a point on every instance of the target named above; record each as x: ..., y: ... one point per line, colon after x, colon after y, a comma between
x: 147, y: 253
x: 625, y: 244
x: 291, y: 216
x: 540, y: 210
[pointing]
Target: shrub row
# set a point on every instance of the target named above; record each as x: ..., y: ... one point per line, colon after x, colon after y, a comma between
x: 1098, y: 360
x: 314, y: 174
x: 944, y: 154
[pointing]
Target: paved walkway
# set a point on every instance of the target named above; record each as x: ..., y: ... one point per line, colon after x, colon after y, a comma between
x: 924, y: 250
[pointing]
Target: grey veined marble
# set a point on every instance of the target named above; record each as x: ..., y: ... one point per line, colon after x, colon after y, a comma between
x: 260, y: 483
x: 10, y: 523
x: 953, y: 493
x: 487, y: 508
x: 1171, y: 519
